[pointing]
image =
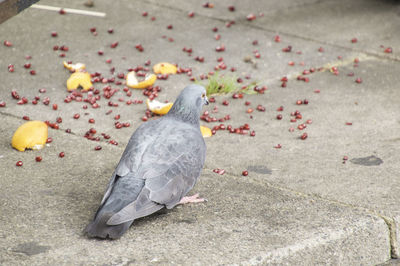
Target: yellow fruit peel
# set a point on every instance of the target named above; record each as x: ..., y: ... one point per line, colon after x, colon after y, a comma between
x: 205, y: 131
x: 30, y: 135
x: 79, y: 79
x: 164, y: 68
x: 131, y: 81
x: 74, y: 67
x: 158, y: 107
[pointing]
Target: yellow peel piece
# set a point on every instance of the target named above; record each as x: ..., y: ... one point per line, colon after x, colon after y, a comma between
x: 131, y: 81
x: 164, y: 68
x: 75, y: 67
x: 206, y: 132
x: 30, y: 135
x: 158, y: 107
x: 79, y: 79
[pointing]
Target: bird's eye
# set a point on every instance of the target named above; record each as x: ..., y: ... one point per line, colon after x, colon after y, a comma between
x: 203, y: 95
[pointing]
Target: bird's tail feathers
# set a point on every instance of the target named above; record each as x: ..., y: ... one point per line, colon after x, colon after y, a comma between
x: 100, y: 229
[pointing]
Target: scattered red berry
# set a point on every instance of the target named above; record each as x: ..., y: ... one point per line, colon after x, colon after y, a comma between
x: 97, y: 148
x: 251, y: 17
x: 388, y: 50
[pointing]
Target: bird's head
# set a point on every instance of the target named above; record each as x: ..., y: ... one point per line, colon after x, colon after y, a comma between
x: 189, y: 103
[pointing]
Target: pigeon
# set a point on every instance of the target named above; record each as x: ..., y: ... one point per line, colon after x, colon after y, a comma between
x: 160, y: 165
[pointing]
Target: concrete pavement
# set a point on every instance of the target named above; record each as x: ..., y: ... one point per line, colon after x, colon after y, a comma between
x: 301, y: 204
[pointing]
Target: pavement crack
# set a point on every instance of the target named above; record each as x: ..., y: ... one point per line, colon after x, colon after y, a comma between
x: 394, y: 248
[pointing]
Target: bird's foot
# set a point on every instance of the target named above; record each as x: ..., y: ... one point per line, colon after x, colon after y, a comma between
x: 192, y: 199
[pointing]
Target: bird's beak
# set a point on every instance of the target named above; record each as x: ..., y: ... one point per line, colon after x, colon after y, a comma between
x: 206, y: 102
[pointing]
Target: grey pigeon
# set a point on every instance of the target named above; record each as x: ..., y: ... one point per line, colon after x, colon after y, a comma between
x: 160, y: 165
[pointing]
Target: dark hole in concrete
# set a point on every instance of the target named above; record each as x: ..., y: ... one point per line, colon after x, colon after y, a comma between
x: 367, y: 161
x: 30, y: 248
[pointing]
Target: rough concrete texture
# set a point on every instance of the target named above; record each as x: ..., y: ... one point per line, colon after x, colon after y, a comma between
x: 301, y: 204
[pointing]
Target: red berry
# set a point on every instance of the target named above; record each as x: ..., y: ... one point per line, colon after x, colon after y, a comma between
x: 139, y: 47
x: 388, y: 50
x: 260, y: 108
x: 114, y: 44
x: 38, y: 158
x: 245, y: 173
x: 97, y: 148
x: 279, y: 117
x: 91, y: 120
x: 61, y: 154
x: 287, y: 49
x: 19, y: 163
x: 7, y: 43
x: 304, y: 136
x: 251, y: 17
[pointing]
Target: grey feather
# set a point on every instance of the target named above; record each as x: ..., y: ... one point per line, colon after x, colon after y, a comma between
x: 160, y: 165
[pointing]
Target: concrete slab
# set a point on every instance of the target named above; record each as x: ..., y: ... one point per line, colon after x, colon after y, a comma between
x: 46, y: 205
x: 316, y: 165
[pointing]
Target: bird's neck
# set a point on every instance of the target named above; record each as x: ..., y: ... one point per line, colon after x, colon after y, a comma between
x: 187, y: 114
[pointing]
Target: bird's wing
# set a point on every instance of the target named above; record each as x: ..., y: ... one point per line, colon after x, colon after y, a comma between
x: 170, y: 167
x: 131, y: 158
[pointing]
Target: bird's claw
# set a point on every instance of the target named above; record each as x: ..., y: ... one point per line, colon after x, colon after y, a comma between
x: 192, y: 199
